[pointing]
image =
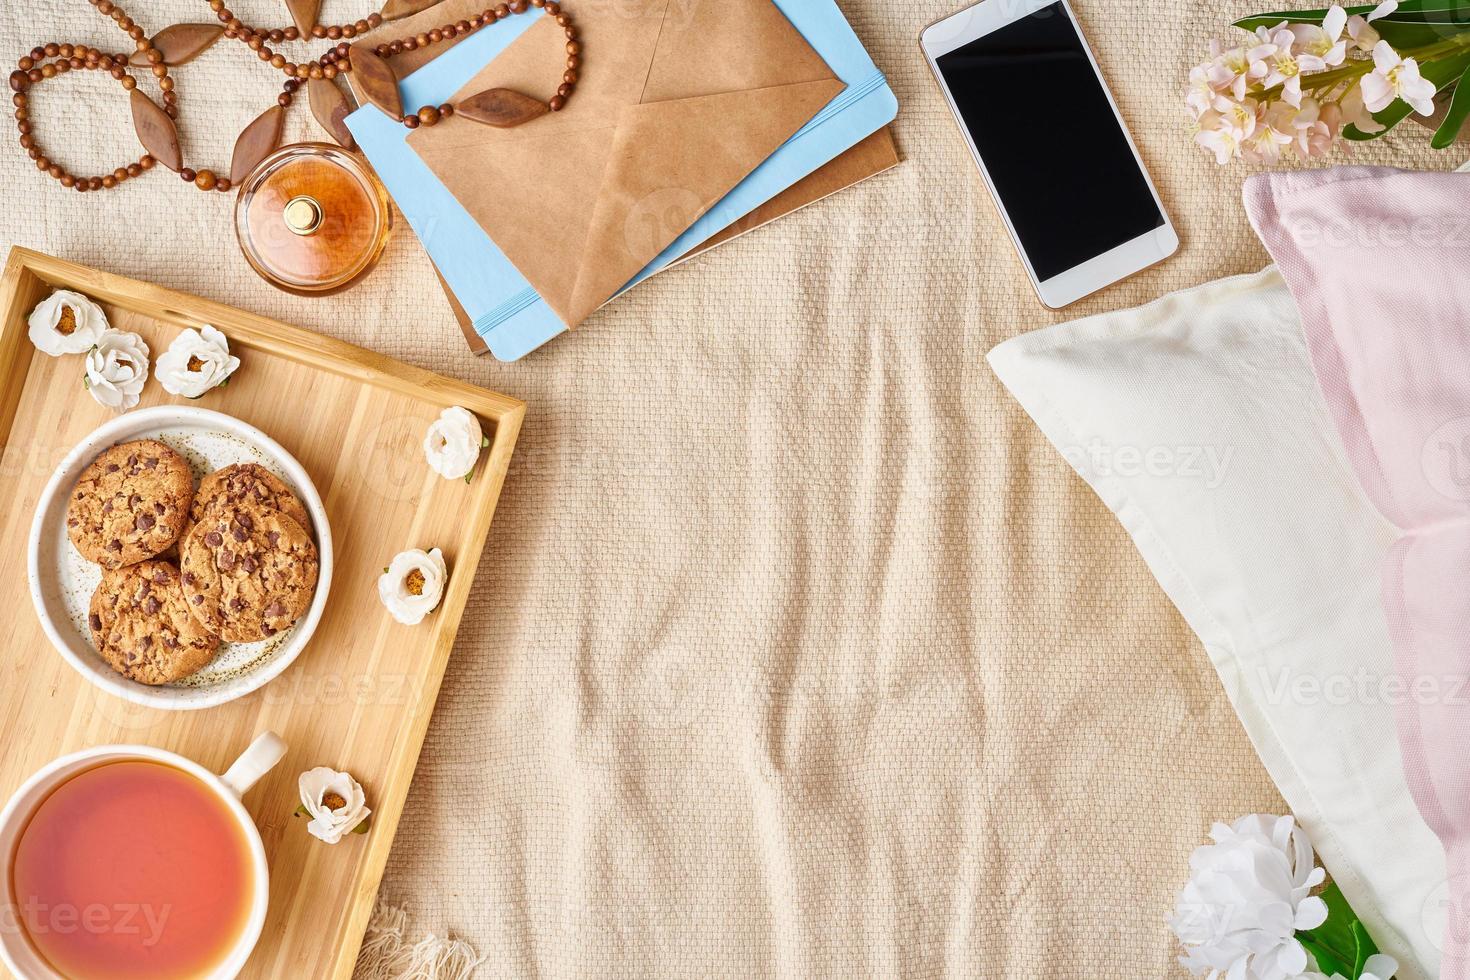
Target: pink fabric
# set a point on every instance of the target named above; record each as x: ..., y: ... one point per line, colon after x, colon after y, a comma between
x: 1379, y: 264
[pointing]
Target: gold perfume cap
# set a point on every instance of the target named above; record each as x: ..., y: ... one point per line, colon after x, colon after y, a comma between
x: 303, y: 215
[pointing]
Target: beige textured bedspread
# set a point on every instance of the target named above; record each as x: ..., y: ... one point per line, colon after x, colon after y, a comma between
x: 796, y: 651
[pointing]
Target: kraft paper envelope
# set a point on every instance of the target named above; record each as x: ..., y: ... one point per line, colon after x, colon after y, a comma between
x: 677, y: 103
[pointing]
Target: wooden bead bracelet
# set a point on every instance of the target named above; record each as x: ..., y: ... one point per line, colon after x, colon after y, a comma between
x: 181, y: 43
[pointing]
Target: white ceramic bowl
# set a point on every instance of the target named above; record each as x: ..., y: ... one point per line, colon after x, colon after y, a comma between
x: 62, y: 581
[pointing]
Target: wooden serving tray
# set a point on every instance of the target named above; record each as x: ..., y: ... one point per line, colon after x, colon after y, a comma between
x: 360, y: 696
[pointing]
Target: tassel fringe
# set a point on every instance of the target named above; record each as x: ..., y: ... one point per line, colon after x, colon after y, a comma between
x: 387, y: 955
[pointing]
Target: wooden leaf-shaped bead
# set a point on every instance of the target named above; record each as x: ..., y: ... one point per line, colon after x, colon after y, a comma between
x: 156, y: 131
x: 181, y: 44
x: 258, y: 141
x: 304, y: 14
x: 396, y: 9
x: 330, y: 107
x: 502, y: 108
x: 376, y: 80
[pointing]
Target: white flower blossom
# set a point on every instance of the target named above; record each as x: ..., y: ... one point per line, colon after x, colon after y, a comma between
x: 1355, y: 113
x: 334, y: 801
x: 1324, y: 43
x: 195, y: 362
x: 1394, y: 77
x: 1289, y: 93
x: 1272, y: 135
x: 66, y: 323
x: 1224, y: 129
x: 117, y: 369
x: 453, y: 443
x: 1233, y: 71
x: 1360, y: 29
x: 413, y: 584
x: 1377, y: 967
x: 1248, y: 894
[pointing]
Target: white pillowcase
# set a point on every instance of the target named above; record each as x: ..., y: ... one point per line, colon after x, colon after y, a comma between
x: 1198, y: 421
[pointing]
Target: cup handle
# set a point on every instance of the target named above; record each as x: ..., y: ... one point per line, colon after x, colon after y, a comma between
x: 262, y: 756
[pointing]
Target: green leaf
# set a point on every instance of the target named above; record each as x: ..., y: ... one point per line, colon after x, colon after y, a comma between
x: 1413, y: 25
x: 1366, y: 948
x: 1431, y: 6
x: 1444, y: 13
x: 1327, y: 962
x: 1403, y: 35
x: 1271, y: 20
x: 1333, y: 944
x: 1454, y: 120
x: 1411, y: 35
x: 1443, y: 73
x: 302, y: 811
x: 484, y: 442
x: 362, y: 828
x: 1410, y: 11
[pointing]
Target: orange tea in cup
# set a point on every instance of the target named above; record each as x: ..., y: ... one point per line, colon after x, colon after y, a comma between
x: 130, y: 870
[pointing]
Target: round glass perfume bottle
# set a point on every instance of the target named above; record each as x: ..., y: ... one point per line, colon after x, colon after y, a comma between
x: 312, y: 219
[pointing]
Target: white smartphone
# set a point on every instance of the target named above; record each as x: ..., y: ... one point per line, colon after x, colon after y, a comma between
x: 1051, y: 145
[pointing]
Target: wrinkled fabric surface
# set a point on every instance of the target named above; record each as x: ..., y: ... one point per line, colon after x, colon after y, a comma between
x: 1377, y: 261
x: 795, y: 651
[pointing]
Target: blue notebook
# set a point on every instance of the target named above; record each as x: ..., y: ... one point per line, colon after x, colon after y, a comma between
x: 505, y: 309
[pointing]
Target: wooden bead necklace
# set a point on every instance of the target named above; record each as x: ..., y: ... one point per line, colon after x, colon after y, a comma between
x: 182, y: 43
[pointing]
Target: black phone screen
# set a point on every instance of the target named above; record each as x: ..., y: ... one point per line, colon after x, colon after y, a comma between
x: 1050, y: 140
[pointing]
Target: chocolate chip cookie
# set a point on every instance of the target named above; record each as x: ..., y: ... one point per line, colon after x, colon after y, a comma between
x: 249, y: 571
x: 132, y: 503
x: 248, y: 483
x: 142, y: 627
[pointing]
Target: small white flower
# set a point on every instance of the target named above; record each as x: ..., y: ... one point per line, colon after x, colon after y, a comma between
x: 453, y: 444
x: 1283, y: 65
x: 1296, y: 122
x: 1355, y: 113
x: 66, y: 323
x: 117, y: 368
x: 1269, y: 139
x: 1317, y: 128
x: 1379, y: 966
x: 412, y: 586
x: 1396, y: 78
x: 1224, y: 129
x: 1360, y: 30
x: 334, y: 801
x: 1233, y: 71
x: 1223, y: 141
x: 195, y: 362
x: 1201, y: 94
x: 1324, y: 42
x: 1248, y: 894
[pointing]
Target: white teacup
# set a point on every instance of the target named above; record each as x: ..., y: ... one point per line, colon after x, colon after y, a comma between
x: 262, y: 756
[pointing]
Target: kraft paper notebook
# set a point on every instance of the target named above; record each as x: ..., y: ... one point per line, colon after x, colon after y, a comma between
x: 874, y: 155
x: 495, y: 293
